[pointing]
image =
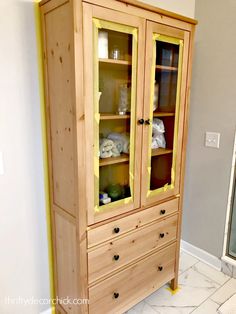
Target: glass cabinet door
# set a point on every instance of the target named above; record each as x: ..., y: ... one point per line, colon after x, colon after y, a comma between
x: 116, y: 137
x: 162, y: 141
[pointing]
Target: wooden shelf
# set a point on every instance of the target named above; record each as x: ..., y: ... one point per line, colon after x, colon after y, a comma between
x: 166, y: 68
x: 161, y: 151
x: 113, y: 160
x: 115, y: 61
x: 163, y: 114
x: 111, y: 116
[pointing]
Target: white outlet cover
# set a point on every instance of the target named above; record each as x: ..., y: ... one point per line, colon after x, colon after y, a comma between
x: 212, y: 139
x: 1, y: 164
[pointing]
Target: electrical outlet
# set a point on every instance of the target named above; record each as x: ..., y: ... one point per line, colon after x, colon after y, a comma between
x: 212, y: 139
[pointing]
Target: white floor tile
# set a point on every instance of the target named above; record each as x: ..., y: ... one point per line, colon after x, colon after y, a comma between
x: 229, y: 306
x: 225, y: 292
x: 186, y: 261
x: 212, y: 273
x: 142, y: 308
x: 194, y: 289
x: 137, y: 309
x: 173, y: 309
x: 208, y: 307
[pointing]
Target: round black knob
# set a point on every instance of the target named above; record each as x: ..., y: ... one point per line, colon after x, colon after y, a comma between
x: 148, y: 122
x: 141, y: 121
x: 116, y: 257
x: 116, y: 230
x: 160, y: 268
x: 162, y: 235
x: 163, y: 211
x: 116, y: 295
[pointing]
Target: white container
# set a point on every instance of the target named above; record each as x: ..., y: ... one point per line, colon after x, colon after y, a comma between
x: 102, y: 45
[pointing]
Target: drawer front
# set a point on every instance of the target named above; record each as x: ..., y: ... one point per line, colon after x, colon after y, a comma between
x: 121, y: 291
x: 131, y: 222
x: 120, y: 251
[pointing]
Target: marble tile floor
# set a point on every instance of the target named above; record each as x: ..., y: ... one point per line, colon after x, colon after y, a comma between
x: 202, y: 290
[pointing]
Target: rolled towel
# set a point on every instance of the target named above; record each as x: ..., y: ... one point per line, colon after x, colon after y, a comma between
x: 117, y: 149
x: 126, y: 144
x: 123, y: 138
x: 119, y: 145
x: 159, y: 141
x: 105, y: 148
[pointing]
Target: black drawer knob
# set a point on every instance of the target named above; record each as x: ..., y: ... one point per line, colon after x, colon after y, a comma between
x: 147, y: 122
x: 160, y: 268
x: 162, y: 235
x: 116, y: 295
x: 116, y: 257
x: 162, y: 212
x: 116, y: 230
x: 141, y: 121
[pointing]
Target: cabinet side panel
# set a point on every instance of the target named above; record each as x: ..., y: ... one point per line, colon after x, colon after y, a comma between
x: 60, y: 105
x: 65, y: 241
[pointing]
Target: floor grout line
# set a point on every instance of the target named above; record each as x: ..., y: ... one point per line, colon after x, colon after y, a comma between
x: 202, y: 274
x: 209, y: 297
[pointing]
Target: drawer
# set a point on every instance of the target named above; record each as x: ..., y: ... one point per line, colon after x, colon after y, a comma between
x: 121, y: 291
x: 131, y: 222
x: 123, y: 250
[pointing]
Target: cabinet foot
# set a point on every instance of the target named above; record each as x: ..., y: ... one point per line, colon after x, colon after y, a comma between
x: 174, y: 284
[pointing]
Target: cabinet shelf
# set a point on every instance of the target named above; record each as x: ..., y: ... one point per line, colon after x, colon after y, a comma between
x: 113, y: 160
x: 163, y: 114
x: 166, y: 68
x: 111, y: 116
x: 115, y: 61
x: 161, y: 151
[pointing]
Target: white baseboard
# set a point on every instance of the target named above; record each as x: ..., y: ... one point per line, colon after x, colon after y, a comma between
x: 202, y: 255
x: 48, y: 311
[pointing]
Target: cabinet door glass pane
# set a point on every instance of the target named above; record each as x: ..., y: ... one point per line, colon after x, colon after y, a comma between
x: 166, y: 78
x: 114, y: 113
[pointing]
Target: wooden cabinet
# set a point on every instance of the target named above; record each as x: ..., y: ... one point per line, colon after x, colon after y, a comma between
x: 117, y: 80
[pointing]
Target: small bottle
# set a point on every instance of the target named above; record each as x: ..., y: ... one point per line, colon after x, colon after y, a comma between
x: 115, y: 53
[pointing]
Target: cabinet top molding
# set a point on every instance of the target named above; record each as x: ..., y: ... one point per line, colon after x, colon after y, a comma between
x: 147, y: 7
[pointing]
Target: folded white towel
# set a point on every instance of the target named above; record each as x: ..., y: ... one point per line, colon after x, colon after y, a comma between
x: 158, y: 130
x: 159, y: 141
x: 157, y: 127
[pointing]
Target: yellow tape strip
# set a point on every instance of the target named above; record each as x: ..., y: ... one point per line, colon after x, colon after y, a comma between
x: 153, y: 71
x: 176, y: 127
x: 128, y: 30
x: 133, y: 110
x: 113, y: 26
x: 173, y: 292
x: 96, y: 25
x: 175, y: 41
x: 44, y: 142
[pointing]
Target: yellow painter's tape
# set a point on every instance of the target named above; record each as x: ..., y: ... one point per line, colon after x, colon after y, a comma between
x: 98, y: 24
x: 44, y: 144
x: 173, y: 292
x: 176, y: 41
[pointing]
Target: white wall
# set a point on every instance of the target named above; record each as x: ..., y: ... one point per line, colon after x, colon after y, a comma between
x: 23, y: 239
x: 183, y: 7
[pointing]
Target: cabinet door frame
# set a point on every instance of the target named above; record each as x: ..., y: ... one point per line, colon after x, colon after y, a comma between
x: 147, y: 196
x: 90, y: 12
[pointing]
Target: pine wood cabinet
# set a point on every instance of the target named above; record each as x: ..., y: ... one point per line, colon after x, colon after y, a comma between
x: 117, y: 81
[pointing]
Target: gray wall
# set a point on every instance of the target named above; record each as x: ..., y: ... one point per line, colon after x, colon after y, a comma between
x: 213, y: 108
